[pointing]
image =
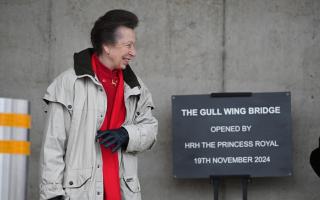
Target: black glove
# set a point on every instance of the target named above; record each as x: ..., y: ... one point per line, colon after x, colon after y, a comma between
x: 315, y: 160
x: 114, y: 138
x: 57, y: 198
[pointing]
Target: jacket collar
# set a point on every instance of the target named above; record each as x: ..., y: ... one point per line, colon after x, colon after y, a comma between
x: 82, y: 66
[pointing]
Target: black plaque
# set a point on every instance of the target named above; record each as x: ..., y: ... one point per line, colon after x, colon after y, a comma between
x: 225, y: 136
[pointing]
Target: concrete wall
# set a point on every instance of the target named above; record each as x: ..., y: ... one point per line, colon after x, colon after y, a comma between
x: 269, y: 45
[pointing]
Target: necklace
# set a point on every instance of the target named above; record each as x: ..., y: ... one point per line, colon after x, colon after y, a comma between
x: 114, y: 82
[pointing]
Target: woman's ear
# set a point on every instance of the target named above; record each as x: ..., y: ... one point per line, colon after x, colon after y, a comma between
x: 106, y: 49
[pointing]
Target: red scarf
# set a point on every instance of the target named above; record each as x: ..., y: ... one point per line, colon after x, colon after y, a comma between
x: 115, y: 116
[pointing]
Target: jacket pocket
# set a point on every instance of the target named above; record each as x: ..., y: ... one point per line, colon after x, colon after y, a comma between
x: 133, y: 184
x: 77, y: 183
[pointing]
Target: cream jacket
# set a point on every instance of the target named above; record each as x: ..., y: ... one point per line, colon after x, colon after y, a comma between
x: 70, y: 161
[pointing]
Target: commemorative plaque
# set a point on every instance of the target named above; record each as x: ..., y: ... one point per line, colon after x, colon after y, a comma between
x: 232, y: 135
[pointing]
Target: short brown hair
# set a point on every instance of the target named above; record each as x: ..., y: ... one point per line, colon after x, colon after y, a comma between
x: 103, y: 31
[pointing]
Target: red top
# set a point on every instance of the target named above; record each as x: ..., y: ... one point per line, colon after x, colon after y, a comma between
x: 113, y: 84
x: 109, y: 80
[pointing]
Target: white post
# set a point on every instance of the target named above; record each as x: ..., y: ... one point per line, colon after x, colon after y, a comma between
x: 15, y: 122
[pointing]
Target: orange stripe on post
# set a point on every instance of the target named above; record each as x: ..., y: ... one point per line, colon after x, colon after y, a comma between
x: 14, y: 147
x: 15, y: 120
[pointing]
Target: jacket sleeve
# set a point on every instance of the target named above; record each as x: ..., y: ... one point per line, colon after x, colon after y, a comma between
x: 143, y: 131
x: 53, y: 150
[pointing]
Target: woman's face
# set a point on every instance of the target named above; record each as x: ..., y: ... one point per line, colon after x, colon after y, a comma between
x: 123, y: 51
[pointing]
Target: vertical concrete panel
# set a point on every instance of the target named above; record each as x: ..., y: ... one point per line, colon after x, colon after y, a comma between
x: 192, y: 66
x: 274, y: 46
x: 24, y: 39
